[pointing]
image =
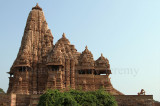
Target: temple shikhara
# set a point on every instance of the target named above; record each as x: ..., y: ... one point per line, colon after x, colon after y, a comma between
x: 42, y: 65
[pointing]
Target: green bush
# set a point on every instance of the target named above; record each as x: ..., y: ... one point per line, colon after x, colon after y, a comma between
x: 77, y: 98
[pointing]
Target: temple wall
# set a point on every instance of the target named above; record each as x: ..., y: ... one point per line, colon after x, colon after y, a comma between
x: 134, y: 100
x: 22, y: 100
x: 156, y: 103
x: 5, y: 100
x: 32, y: 100
x: 92, y: 82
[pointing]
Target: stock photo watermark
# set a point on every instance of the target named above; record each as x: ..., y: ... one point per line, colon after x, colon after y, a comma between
x: 125, y: 71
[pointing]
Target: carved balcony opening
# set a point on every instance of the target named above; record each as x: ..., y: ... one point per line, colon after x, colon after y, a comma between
x: 100, y: 72
x: 89, y: 71
x: 55, y: 68
x: 22, y: 69
x: 81, y: 71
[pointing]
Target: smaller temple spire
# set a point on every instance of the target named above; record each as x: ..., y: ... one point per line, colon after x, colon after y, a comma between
x: 37, y: 7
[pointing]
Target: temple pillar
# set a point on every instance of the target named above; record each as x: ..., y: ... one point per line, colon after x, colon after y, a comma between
x: 59, y: 82
x: 19, y: 90
x: 84, y: 85
x: 26, y: 82
x: 63, y: 77
x: 67, y: 69
x: 34, y: 78
x: 72, y: 74
x: 54, y: 82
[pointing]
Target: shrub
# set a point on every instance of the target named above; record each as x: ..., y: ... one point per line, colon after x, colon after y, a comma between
x: 77, y: 98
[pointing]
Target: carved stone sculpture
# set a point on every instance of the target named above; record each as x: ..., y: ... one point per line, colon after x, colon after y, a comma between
x: 142, y: 92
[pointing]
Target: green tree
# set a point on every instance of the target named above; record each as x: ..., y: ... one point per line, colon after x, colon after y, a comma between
x: 66, y: 100
x: 104, y: 98
x: 77, y: 98
x: 1, y: 90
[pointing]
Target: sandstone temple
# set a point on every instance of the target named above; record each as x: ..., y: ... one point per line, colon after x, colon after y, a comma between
x: 42, y: 65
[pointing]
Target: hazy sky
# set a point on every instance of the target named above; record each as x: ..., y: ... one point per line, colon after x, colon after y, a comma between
x: 127, y: 32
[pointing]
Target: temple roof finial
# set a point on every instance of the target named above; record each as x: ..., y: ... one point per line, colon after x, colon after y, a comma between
x: 64, y: 35
x: 101, y: 54
x: 86, y: 47
x: 37, y: 7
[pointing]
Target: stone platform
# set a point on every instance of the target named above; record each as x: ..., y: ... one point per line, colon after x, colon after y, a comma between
x: 32, y: 100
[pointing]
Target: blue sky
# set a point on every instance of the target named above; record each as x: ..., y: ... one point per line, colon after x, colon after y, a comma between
x: 127, y: 32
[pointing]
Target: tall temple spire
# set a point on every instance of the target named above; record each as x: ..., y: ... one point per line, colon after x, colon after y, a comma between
x: 36, y: 43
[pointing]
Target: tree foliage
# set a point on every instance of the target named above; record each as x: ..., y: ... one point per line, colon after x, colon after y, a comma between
x: 77, y: 98
x: 1, y: 90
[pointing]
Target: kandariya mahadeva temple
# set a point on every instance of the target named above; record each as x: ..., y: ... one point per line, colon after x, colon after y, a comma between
x: 42, y: 65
